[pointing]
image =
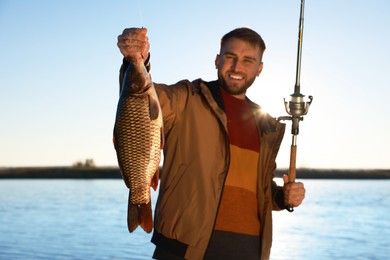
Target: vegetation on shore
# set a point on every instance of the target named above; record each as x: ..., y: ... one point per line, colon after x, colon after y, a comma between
x: 74, y: 172
x: 90, y: 171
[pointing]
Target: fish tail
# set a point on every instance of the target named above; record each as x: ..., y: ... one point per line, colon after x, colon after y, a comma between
x: 140, y: 215
x: 132, y: 217
x: 145, y: 217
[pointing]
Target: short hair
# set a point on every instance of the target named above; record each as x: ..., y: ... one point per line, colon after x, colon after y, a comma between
x: 247, y: 35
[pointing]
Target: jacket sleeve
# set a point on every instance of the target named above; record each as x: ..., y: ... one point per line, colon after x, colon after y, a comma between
x: 173, y: 101
x: 277, y: 197
x: 277, y: 191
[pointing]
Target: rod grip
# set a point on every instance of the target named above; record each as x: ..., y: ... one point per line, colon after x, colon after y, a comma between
x: 293, y: 158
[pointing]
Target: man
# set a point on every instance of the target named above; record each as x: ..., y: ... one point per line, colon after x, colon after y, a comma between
x: 216, y: 190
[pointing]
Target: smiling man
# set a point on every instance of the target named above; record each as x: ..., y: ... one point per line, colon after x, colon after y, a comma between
x: 239, y: 61
x: 216, y: 190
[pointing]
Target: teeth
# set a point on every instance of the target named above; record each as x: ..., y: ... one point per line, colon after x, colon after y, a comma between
x: 235, y: 77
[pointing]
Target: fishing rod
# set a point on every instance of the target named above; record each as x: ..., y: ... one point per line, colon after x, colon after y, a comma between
x: 296, y: 107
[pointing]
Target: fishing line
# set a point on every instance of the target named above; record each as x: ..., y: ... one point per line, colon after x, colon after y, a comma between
x: 140, y: 13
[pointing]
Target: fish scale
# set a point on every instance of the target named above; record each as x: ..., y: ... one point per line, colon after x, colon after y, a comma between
x: 134, y: 120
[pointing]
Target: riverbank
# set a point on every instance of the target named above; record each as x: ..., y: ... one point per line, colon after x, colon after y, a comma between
x: 114, y: 173
x: 60, y: 173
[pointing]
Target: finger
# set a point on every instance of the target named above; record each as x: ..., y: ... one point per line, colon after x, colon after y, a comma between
x: 145, y: 52
x: 285, y: 179
x: 296, y: 197
x: 132, y: 45
x: 142, y: 30
x: 297, y: 187
x: 132, y: 39
x: 136, y: 33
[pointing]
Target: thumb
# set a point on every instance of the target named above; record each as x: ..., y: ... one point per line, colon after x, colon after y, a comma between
x: 285, y: 179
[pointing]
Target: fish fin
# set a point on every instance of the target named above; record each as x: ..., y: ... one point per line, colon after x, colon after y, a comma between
x: 114, y: 140
x: 132, y: 216
x: 145, y: 218
x: 154, y: 107
x: 154, y: 181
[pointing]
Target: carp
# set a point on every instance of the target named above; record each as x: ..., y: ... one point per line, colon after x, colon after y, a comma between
x: 138, y: 140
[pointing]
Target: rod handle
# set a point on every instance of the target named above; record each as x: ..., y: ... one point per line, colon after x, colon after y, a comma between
x: 292, y: 173
x: 292, y: 170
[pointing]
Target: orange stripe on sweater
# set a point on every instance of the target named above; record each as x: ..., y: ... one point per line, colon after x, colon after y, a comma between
x: 238, y: 212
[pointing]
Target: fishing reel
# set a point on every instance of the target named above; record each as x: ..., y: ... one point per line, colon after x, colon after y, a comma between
x: 297, y: 107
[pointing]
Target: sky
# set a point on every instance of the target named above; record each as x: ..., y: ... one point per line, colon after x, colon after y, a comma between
x: 59, y: 68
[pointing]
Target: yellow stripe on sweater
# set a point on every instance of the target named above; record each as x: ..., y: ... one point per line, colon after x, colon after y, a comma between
x: 243, y: 169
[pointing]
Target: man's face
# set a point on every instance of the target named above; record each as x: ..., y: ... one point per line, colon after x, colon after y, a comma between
x: 238, y: 64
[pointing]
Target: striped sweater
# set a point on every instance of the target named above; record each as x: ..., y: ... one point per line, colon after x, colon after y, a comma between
x: 237, y: 228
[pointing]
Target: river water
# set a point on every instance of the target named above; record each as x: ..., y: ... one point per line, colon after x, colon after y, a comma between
x: 86, y: 219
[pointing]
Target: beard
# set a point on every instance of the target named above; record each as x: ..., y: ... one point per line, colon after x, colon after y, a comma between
x: 235, y: 88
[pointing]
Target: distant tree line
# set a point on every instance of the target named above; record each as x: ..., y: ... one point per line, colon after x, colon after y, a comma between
x: 89, y: 163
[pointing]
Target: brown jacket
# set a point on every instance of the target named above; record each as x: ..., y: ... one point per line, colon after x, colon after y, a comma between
x: 196, y: 162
